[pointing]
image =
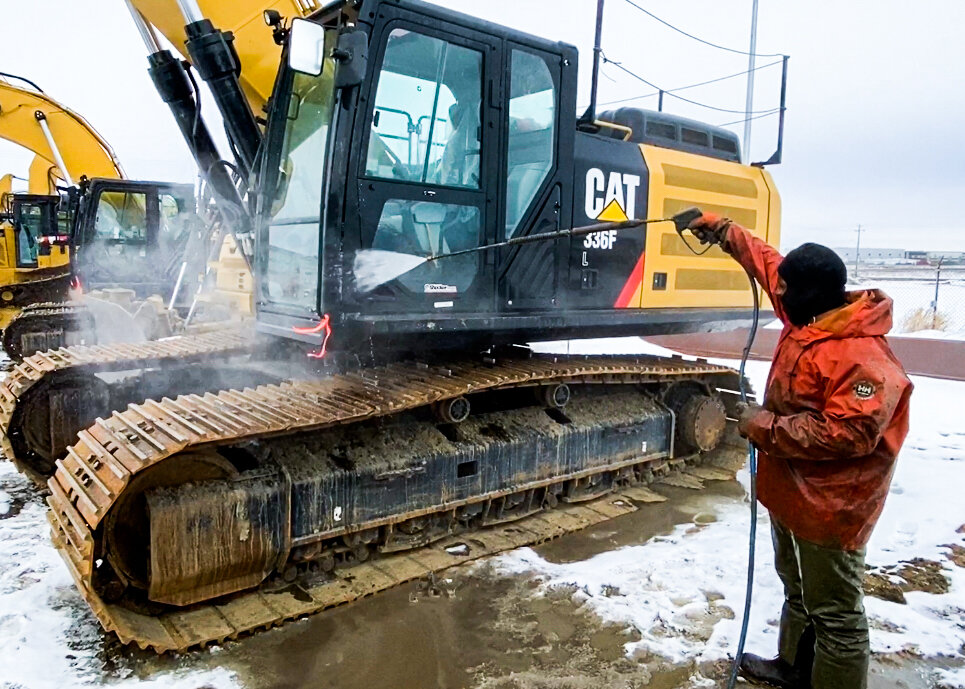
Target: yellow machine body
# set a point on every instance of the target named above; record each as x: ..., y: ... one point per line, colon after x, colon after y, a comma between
x: 679, y: 180
x: 77, y: 143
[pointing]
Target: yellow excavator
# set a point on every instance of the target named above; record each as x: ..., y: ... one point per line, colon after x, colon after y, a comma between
x: 34, y: 246
x: 375, y: 417
x: 129, y: 246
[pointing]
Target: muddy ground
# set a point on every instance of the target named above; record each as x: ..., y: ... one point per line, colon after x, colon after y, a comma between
x: 477, y: 629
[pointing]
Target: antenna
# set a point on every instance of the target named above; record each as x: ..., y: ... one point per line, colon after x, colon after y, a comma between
x: 589, y: 117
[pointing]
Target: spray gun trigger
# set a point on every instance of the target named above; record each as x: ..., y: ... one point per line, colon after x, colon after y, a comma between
x: 683, y: 219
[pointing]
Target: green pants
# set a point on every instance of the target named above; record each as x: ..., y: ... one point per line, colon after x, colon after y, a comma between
x: 823, y: 602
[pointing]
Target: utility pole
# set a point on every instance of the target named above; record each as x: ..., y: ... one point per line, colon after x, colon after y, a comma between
x: 749, y: 103
x: 934, y: 304
x: 857, y: 252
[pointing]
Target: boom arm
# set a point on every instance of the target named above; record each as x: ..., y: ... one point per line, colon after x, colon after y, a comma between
x: 257, y: 52
x: 60, y: 138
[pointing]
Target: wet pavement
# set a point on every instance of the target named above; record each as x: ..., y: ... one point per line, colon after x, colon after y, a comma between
x: 475, y: 629
x: 484, y: 630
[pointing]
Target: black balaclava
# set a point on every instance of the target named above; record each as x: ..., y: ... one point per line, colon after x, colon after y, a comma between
x: 815, y: 278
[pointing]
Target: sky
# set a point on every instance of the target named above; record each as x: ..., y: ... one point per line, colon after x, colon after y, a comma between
x: 873, y: 133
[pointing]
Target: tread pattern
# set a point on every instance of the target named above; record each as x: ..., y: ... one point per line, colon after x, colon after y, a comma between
x: 43, y: 367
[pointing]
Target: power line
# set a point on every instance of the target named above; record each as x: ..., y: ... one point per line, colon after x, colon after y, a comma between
x: 697, y: 38
x: 7, y: 75
x: 691, y: 86
x: 755, y: 117
x: 686, y: 100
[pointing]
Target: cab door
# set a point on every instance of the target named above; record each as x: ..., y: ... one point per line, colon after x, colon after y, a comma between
x: 535, y: 188
x: 426, y: 176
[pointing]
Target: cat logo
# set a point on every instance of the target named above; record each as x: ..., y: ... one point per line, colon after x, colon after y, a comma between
x: 609, y: 198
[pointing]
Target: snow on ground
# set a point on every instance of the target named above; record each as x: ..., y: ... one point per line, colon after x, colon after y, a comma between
x: 911, y: 294
x: 951, y: 679
x: 669, y: 587
x: 48, y: 638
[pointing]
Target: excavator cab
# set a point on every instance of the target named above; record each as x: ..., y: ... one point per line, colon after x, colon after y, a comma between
x: 34, y: 251
x: 459, y: 134
x: 34, y: 230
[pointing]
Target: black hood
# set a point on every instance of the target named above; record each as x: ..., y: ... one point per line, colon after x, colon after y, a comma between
x: 815, y: 277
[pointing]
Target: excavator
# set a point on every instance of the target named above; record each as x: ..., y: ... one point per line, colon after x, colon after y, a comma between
x: 380, y: 430
x: 82, y: 223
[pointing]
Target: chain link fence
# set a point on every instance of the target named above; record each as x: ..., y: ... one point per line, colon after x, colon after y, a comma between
x: 929, y: 299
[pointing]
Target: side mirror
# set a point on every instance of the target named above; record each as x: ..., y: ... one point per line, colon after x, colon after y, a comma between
x: 352, y: 54
x: 306, y: 47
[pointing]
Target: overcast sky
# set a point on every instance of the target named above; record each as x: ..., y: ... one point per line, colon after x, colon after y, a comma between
x: 876, y: 107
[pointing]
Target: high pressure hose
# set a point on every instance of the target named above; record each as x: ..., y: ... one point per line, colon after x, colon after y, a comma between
x: 752, y: 466
x: 682, y: 220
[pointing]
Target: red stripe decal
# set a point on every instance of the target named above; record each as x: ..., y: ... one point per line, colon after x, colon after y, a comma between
x: 636, y: 277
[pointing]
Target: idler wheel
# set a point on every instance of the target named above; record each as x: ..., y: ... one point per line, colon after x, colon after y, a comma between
x: 127, y: 526
x: 701, y: 422
x: 554, y: 396
x: 50, y: 416
x: 453, y: 410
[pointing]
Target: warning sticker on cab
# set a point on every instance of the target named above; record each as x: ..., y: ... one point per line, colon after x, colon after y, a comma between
x: 439, y: 289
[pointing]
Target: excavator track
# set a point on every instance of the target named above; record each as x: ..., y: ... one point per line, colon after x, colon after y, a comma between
x: 48, y: 325
x: 31, y: 381
x: 99, y: 477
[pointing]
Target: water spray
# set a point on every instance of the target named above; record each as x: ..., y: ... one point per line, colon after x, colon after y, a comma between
x: 374, y: 267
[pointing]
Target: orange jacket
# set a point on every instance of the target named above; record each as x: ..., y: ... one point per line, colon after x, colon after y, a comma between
x: 835, y: 412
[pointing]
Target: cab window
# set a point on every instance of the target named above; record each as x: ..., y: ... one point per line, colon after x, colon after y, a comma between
x: 532, y: 122
x: 33, y: 223
x: 291, y: 277
x: 121, y: 217
x: 426, y: 125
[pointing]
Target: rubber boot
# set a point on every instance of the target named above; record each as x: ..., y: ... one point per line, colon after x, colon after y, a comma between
x: 774, y: 672
x: 779, y: 673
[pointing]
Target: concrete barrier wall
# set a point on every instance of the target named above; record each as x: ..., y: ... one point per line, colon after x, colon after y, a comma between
x: 919, y: 356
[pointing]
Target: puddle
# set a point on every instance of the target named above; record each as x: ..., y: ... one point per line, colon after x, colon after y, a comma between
x: 653, y: 519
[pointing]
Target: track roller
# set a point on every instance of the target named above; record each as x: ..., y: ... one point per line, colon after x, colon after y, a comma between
x: 554, y: 396
x: 454, y: 410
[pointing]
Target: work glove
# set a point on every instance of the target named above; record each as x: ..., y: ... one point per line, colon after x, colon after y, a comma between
x: 746, y: 411
x: 710, y: 228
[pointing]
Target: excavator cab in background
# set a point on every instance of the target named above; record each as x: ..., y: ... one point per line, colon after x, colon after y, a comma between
x: 135, y: 249
x: 134, y: 234
x: 34, y: 251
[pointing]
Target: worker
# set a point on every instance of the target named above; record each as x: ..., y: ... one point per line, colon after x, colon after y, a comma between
x: 834, y: 416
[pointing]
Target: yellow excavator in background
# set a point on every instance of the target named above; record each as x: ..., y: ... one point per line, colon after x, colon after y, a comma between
x: 32, y: 119
x: 82, y: 223
x: 34, y: 227
x: 41, y: 417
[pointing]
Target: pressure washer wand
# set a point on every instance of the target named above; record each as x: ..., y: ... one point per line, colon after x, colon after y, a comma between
x: 374, y: 267
x: 681, y: 220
